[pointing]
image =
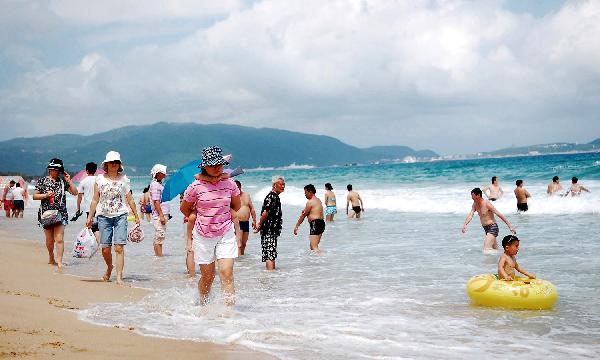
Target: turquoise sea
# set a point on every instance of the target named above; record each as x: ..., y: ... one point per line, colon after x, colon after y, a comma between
x: 391, y: 285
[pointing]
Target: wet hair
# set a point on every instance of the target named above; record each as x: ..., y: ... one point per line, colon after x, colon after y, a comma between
x: 91, y: 167
x: 18, y: 185
x: 310, y: 188
x: 349, y: 187
x: 238, y: 183
x: 12, y: 182
x: 477, y: 191
x: 328, y: 186
x: 519, y: 182
x: 277, y: 178
x: 574, y: 179
x: 494, y: 179
x: 508, y: 239
x: 146, y: 189
x: 555, y: 179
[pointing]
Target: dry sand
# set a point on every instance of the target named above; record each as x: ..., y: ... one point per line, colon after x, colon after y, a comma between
x: 38, y: 317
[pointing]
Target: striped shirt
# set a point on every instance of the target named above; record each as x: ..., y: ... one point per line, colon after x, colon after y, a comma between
x: 156, y: 191
x: 213, y: 206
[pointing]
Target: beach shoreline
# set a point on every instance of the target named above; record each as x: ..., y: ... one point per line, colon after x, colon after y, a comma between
x: 39, y: 315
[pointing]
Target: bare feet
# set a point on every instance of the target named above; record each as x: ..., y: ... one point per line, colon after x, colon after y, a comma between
x: 106, y: 277
x: 120, y: 281
x: 52, y: 261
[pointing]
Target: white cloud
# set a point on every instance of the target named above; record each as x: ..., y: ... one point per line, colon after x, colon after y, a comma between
x: 449, y: 75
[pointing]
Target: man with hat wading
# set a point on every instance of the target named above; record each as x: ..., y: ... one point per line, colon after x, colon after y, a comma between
x: 160, y: 210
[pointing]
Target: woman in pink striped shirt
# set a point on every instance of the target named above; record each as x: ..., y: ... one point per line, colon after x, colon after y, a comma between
x: 213, y: 236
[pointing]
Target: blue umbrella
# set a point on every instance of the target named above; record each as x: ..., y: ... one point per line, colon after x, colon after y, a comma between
x: 178, y: 182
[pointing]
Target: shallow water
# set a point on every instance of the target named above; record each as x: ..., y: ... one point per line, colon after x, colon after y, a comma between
x: 391, y: 285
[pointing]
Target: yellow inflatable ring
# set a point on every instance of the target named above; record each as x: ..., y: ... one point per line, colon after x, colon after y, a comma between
x: 522, y: 293
x: 131, y: 218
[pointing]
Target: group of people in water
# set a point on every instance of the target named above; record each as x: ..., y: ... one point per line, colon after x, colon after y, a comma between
x: 215, y: 208
x: 510, y: 243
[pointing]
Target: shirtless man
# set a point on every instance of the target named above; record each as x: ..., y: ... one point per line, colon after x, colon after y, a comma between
x: 243, y: 214
x: 554, y: 186
x: 575, y: 188
x: 314, y: 212
x: 521, y: 194
x: 357, y: 203
x: 486, y: 212
x: 493, y: 191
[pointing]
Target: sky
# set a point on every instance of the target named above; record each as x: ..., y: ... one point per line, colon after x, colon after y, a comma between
x: 451, y: 76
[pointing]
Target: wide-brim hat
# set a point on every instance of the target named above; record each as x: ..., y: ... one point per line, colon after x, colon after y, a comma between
x: 158, y: 168
x: 113, y: 156
x: 56, y: 164
x: 212, y: 156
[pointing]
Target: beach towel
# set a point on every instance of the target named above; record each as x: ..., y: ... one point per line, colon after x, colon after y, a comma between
x: 136, y: 234
x: 85, y: 244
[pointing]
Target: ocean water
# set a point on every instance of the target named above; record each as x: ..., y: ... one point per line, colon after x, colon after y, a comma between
x: 391, y: 285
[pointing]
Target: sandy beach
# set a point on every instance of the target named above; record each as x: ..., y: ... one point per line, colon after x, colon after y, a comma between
x: 39, y: 320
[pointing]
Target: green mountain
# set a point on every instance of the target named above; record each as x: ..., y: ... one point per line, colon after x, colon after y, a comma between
x: 175, y: 144
x: 545, y: 149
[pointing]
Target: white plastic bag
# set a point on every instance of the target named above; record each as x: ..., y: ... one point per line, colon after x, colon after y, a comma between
x: 85, y: 244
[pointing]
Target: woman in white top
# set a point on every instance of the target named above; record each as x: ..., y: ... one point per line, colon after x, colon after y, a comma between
x: 111, y: 197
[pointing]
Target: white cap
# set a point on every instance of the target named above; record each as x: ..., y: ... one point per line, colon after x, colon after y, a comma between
x: 112, y: 156
x: 158, y: 168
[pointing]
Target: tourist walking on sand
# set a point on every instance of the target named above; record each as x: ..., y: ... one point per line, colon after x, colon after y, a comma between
x: 111, y: 197
x: 243, y: 215
x: 486, y: 212
x: 357, y: 204
x: 52, y: 191
x: 85, y: 196
x: 160, y: 210
x: 554, y: 186
x: 330, y: 203
x: 522, y: 195
x: 576, y: 189
x: 18, y: 200
x: 270, y: 222
x: 493, y: 191
x: 214, y: 238
x: 314, y: 211
x: 7, y: 198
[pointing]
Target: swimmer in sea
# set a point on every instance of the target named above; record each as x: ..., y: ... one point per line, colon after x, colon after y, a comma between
x: 314, y: 212
x: 493, y: 191
x: 357, y: 204
x: 554, y: 186
x: 331, y: 207
x: 576, y: 189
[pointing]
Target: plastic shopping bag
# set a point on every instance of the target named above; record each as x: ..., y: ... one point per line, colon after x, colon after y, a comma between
x: 85, y: 244
x: 136, y: 234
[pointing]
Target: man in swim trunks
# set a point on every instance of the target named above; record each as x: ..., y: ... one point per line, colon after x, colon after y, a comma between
x: 357, y: 204
x: 554, y: 186
x: 575, y: 188
x: 493, y: 191
x: 331, y: 207
x: 486, y: 212
x: 243, y: 214
x: 314, y: 212
x: 521, y: 194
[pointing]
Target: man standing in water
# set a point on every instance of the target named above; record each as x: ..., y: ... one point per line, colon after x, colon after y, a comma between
x: 521, y: 194
x: 270, y: 221
x: 493, y: 191
x: 554, y: 186
x: 243, y: 214
x: 357, y: 203
x: 314, y: 212
x: 486, y: 212
x: 575, y: 188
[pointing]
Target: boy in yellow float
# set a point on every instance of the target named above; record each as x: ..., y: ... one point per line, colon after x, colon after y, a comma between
x: 508, y: 261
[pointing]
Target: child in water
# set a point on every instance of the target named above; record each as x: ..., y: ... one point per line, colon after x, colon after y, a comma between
x: 508, y: 261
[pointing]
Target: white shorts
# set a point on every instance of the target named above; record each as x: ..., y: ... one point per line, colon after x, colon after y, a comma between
x: 207, y: 250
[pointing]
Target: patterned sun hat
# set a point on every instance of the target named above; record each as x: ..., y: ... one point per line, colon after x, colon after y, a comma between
x: 211, y: 156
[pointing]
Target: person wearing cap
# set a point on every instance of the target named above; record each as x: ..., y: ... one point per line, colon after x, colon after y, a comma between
x: 214, y: 238
x: 52, y: 191
x: 160, y: 210
x: 111, y: 197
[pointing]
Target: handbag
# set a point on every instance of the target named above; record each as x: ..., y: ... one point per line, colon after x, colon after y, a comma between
x: 50, y: 218
x: 136, y: 234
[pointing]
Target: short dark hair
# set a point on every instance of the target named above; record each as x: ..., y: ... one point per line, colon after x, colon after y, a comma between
x: 91, y: 167
x: 574, y: 179
x: 18, y: 185
x: 146, y: 189
x: 519, y: 182
x: 555, y: 178
x: 238, y: 183
x: 12, y: 182
x: 328, y: 186
x: 310, y: 188
x: 349, y: 187
x: 508, y: 239
x: 493, y: 179
x: 477, y: 191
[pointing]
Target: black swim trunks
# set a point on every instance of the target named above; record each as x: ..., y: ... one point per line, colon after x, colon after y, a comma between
x: 268, y: 243
x: 522, y: 207
x: 245, y: 226
x: 18, y: 204
x: 317, y: 226
x: 356, y: 209
x: 491, y: 229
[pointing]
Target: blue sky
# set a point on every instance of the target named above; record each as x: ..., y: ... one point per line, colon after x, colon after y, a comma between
x: 452, y: 76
